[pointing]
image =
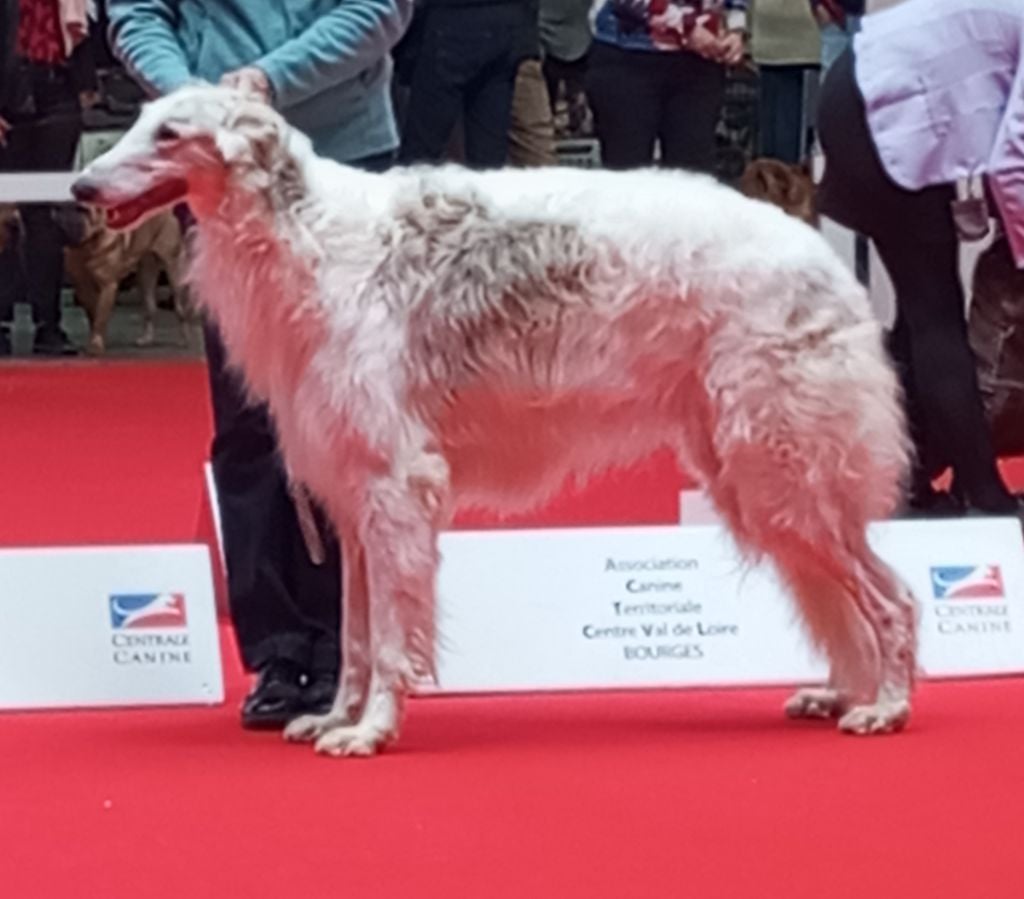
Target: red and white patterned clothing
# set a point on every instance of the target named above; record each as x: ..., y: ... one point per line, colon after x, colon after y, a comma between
x: 40, y: 37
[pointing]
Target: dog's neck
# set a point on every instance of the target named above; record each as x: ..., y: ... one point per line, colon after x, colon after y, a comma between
x: 259, y: 258
x: 255, y: 267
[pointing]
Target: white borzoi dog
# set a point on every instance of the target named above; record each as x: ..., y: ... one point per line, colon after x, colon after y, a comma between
x: 435, y: 336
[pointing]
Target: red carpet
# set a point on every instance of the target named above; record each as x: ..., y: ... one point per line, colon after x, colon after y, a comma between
x: 622, y: 795
x: 696, y: 794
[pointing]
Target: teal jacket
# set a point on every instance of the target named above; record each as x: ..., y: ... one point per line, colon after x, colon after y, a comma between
x: 327, y: 60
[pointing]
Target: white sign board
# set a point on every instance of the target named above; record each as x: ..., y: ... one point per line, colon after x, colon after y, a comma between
x: 674, y: 606
x: 36, y: 187
x: 126, y: 626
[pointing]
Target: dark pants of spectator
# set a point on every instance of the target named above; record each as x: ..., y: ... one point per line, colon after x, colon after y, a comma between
x: 917, y: 242
x: 782, y: 122
x: 639, y: 98
x: 45, y: 142
x: 283, y: 606
x: 465, y: 67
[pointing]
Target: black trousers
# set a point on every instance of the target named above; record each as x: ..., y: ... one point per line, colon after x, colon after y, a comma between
x: 640, y: 97
x: 781, y: 121
x: 918, y: 243
x: 44, y: 142
x: 282, y: 605
x: 464, y: 67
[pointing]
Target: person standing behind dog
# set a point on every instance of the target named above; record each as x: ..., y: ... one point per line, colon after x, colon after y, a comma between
x: 932, y: 91
x: 40, y: 125
x: 785, y: 44
x: 326, y: 66
x: 657, y: 76
x: 463, y: 62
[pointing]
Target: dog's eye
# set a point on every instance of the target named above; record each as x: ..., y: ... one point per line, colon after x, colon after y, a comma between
x: 166, y: 134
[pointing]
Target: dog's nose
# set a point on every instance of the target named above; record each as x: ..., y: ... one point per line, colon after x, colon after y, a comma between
x: 85, y: 190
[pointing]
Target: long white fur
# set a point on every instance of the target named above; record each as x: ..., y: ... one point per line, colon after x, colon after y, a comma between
x: 432, y: 337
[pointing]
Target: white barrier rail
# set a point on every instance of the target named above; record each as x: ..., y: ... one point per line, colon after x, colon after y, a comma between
x: 36, y: 187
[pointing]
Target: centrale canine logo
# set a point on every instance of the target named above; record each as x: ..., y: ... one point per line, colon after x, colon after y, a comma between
x: 968, y: 582
x: 138, y: 611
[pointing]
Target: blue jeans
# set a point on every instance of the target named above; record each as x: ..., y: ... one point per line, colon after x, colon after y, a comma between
x: 835, y: 39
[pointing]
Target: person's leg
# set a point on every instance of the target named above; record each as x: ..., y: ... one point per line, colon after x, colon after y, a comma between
x: 435, y: 95
x: 623, y: 91
x: 692, y: 91
x: 10, y: 270
x: 488, y: 116
x: 932, y: 306
x: 922, y: 497
x: 531, y: 134
x: 781, y: 113
x: 50, y: 143
x: 10, y: 258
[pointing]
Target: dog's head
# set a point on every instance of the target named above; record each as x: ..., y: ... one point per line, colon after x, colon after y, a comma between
x: 790, y: 187
x: 188, y: 146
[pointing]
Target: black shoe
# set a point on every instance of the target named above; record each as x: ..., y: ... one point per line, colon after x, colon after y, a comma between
x: 319, y: 692
x: 1014, y: 508
x: 276, y: 698
x: 5, y: 342
x: 53, y: 343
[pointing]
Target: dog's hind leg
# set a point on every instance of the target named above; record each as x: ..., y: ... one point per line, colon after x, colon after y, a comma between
x: 863, y: 618
x: 355, y: 648
x: 810, y: 446
x: 398, y: 530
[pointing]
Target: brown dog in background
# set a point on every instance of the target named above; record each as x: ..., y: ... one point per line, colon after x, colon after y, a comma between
x: 101, y: 259
x: 104, y: 258
x: 789, y: 187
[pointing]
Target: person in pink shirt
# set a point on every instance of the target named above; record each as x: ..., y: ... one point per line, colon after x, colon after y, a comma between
x: 924, y: 111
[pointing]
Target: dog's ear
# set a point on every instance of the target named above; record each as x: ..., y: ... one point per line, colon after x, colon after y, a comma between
x: 231, y: 145
x: 251, y: 133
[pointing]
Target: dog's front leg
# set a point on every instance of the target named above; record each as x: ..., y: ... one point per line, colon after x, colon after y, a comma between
x: 105, y: 301
x: 398, y: 528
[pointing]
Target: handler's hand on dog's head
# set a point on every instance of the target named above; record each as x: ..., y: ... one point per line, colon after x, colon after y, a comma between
x: 251, y: 79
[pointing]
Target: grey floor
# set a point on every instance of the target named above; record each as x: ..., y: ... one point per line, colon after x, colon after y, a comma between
x: 125, y: 328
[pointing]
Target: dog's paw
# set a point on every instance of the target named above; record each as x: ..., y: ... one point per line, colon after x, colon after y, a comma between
x: 880, y: 718
x: 307, y: 728
x: 815, y: 702
x: 147, y: 338
x: 352, y: 741
x: 97, y: 346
